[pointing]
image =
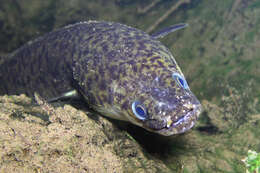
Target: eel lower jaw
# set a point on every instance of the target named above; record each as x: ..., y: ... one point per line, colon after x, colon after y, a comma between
x: 184, y: 123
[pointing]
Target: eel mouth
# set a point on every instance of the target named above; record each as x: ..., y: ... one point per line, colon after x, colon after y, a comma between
x: 183, y: 123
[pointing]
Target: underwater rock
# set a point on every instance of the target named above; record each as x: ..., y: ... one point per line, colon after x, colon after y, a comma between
x: 67, y: 141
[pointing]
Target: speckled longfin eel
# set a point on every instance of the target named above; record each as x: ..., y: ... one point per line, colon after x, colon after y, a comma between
x: 120, y: 71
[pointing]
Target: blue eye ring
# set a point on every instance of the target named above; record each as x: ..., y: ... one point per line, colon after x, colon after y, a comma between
x: 139, y: 110
x: 180, y: 80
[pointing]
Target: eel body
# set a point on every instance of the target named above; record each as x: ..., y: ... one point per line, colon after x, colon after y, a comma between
x: 120, y: 71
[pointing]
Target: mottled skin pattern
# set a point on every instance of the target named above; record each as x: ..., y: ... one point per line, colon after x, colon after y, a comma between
x: 111, y: 65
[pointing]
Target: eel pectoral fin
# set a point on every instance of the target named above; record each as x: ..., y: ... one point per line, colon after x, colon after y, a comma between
x: 73, y: 94
x: 168, y: 30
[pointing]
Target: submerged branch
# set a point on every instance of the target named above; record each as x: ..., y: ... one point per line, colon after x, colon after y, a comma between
x: 167, y: 14
x: 148, y: 7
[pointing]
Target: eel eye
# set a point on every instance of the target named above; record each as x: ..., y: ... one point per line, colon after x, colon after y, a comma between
x: 139, y: 110
x: 180, y: 80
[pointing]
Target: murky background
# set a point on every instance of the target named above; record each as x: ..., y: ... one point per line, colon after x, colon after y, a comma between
x: 219, y: 53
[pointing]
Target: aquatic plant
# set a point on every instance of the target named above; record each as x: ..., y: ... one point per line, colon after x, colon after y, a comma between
x: 252, y: 162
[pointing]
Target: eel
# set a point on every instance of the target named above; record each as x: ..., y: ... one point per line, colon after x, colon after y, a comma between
x: 120, y: 71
